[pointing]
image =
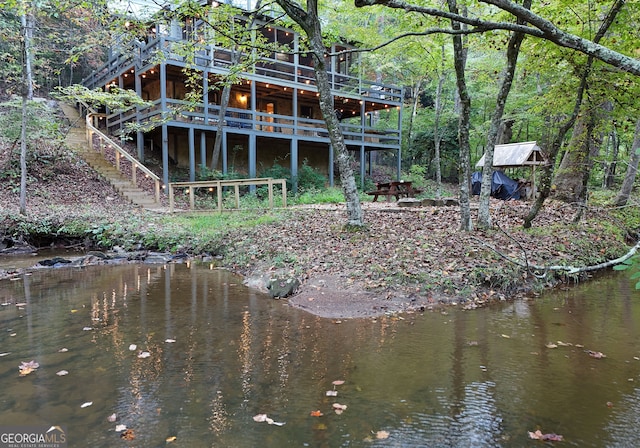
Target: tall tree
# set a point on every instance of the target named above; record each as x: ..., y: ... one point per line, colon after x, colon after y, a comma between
x: 552, y: 152
x: 26, y: 22
x: 513, y: 50
x: 437, y: 135
x: 464, y: 171
x: 632, y: 170
x: 309, y: 21
x: 576, y: 164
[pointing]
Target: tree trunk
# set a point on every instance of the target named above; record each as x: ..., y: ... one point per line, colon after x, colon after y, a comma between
x: 310, y: 22
x: 236, y: 56
x: 632, y: 170
x: 574, y: 170
x: 437, y: 137
x: 27, y: 95
x: 217, y: 144
x: 610, y: 167
x: 414, y: 112
x: 513, y: 50
x: 548, y: 170
x: 464, y: 170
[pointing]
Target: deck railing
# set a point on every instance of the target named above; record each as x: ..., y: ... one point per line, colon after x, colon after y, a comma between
x: 218, y: 185
x: 261, y: 121
x: 120, y: 153
x: 144, y: 54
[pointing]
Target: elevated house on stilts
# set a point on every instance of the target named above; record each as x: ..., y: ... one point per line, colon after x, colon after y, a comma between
x: 273, y: 112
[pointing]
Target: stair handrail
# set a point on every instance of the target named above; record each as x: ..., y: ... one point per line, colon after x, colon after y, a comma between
x: 120, y: 152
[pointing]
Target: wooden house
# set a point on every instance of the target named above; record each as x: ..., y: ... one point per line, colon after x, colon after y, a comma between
x: 272, y: 115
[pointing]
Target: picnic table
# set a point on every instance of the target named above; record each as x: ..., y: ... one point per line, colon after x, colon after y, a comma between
x: 399, y: 189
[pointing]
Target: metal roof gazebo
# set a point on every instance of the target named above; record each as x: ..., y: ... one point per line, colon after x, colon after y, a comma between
x: 516, y: 155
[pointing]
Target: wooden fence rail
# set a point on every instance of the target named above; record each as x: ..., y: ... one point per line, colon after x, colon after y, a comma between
x: 219, y: 184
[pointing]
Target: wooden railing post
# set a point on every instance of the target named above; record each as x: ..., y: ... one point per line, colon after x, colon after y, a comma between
x: 284, y: 192
x: 220, y: 184
x: 192, y: 201
x: 219, y: 187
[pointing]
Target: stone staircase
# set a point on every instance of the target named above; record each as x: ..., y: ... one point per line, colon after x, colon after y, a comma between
x: 76, y: 139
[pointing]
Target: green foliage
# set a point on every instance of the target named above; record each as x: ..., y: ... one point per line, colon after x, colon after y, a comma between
x: 417, y: 175
x: 43, y: 134
x: 324, y: 196
x: 633, y: 266
x: 115, y: 98
x: 422, y: 150
x: 206, y: 173
x: 310, y: 179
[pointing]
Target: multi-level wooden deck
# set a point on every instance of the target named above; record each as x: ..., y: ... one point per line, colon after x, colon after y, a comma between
x: 272, y: 114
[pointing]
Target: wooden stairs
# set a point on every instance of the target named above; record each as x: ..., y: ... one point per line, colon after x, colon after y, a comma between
x: 77, y: 140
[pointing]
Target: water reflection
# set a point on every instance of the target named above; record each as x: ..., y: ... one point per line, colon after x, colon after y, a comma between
x: 218, y: 354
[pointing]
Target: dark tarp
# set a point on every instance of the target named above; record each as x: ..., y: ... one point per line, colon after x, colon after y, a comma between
x: 502, y: 186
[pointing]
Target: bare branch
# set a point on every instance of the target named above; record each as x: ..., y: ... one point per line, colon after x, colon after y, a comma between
x: 569, y: 270
x: 540, y: 28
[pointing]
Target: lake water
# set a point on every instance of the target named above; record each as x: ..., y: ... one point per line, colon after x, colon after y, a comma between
x: 210, y: 355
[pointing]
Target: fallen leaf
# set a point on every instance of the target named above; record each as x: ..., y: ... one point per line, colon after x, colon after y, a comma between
x: 62, y: 373
x: 263, y: 418
x: 87, y: 404
x: 547, y: 437
x: 316, y: 414
x: 339, y: 408
x: 381, y: 435
x: 128, y: 435
x: 27, y: 367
